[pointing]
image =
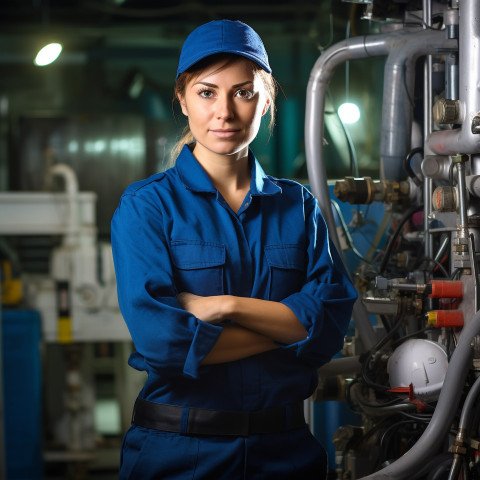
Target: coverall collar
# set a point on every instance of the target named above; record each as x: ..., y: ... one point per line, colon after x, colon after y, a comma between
x: 194, y: 177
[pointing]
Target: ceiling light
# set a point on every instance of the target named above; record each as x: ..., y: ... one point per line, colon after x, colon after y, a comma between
x: 349, y: 113
x: 48, y: 54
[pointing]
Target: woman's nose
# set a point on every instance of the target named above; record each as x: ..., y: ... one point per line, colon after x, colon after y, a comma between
x: 224, y: 108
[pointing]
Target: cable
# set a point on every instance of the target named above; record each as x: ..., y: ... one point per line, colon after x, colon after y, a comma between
x: 408, y: 166
x: 455, y: 273
x: 347, y: 233
x: 395, y: 234
x: 437, y: 264
x: 411, y: 335
x: 419, y: 418
x: 385, y: 443
x: 368, y: 381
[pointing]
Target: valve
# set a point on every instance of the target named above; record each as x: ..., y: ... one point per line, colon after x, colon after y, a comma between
x: 445, y: 318
x: 365, y: 190
x: 445, y: 289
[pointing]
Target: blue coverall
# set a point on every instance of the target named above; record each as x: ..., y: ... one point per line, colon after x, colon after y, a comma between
x: 172, y: 233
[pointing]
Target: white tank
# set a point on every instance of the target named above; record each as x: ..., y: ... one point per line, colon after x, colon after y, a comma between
x: 421, y: 362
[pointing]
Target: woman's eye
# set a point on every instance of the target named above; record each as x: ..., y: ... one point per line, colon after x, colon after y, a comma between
x: 245, y: 94
x: 206, y: 93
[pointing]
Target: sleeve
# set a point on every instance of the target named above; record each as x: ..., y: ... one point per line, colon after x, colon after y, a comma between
x: 171, y: 341
x: 325, y: 302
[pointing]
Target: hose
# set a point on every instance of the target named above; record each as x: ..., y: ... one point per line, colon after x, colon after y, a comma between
x: 434, y: 435
x: 463, y: 425
x: 398, y: 229
x: 408, y: 166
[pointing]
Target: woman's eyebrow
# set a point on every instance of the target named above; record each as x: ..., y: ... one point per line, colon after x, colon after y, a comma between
x: 212, y: 85
x: 243, y: 84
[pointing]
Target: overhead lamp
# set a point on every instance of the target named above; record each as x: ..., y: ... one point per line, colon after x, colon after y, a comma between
x: 48, y: 54
x: 349, y: 113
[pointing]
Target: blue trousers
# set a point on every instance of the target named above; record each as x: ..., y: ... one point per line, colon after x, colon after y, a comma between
x: 152, y: 454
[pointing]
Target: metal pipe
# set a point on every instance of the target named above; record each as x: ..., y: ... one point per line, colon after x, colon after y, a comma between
x: 409, y: 44
x: 322, y: 71
x: 462, y: 195
x: 434, y: 435
x: 427, y: 128
x: 398, y: 94
x: 340, y: 366
x: 463, y: 139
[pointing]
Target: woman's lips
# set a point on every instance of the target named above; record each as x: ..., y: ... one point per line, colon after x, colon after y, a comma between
x: 225, y: 133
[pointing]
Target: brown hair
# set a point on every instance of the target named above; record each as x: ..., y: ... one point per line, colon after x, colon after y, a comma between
x: 269, y: 84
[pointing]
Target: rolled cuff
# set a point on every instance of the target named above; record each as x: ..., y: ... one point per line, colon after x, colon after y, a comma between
x: 206, y: 335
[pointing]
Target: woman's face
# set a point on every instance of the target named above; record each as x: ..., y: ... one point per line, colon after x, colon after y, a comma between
x: 224, y: 106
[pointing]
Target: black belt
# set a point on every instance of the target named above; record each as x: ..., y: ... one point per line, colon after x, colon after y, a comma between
x: 199, y: 421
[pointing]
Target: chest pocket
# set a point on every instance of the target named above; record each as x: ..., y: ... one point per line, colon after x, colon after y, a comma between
x: 286, y: 264
x: 198, y: 267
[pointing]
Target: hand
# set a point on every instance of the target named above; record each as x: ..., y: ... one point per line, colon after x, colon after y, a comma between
x: 207, y: 309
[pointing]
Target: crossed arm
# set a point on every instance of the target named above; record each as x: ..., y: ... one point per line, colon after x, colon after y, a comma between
x: 258, y: 324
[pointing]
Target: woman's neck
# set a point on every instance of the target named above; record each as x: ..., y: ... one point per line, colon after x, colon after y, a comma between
x: 230, y: 174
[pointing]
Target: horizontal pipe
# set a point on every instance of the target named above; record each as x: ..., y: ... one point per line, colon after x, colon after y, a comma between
x: 340, y: 366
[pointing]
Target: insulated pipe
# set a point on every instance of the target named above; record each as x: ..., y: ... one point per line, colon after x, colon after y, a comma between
x: 434, y: 435
x: 463, y: 139
x: 71, y: 189
x: 398, y: 94
x: 349, y: 49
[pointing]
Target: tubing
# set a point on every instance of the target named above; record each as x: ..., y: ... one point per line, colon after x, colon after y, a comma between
x: 434, y: 435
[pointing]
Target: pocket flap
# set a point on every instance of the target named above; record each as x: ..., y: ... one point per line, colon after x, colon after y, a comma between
x: 194, y: 254
x: 285, y: 256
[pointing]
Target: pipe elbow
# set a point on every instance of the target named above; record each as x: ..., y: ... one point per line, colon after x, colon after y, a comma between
x: 69, y: 176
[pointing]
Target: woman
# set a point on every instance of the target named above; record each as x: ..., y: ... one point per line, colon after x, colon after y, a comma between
x: 229, y: 286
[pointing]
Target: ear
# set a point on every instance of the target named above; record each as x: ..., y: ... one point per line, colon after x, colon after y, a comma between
x: 183, y: 105
x: 266, y: 107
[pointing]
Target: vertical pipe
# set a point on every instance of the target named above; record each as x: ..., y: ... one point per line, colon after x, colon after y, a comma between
x: 451, y: 72
x: 462, y: 194
x: 450, y: 19
x: 427, y: 129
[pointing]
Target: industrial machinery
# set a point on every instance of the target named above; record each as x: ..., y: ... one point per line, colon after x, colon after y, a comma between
x: 85, y: 343
x: 413, y: 377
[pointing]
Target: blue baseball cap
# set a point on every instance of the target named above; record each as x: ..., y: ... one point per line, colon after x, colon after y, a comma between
x: 222, y: 36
